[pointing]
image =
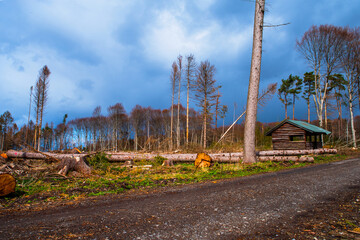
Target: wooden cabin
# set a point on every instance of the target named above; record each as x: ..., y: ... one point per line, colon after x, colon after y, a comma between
x: 292, y: 134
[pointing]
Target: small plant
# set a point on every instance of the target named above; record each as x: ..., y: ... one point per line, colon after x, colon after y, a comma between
x: 99, y: 161
x: 158, y: 160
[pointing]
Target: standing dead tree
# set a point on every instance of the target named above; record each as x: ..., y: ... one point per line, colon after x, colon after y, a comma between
x: 173, y: 79
x: 254, y: 81
x: 205, y: 93
x: 190, y: 74
x: 40, y: 100
x: 179, y: 63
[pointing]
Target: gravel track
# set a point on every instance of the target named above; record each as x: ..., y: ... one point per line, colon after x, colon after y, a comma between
x: 229, y: 209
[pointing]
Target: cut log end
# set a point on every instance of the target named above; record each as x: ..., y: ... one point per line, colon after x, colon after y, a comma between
x: 203, y: 160
x: 7, y: 184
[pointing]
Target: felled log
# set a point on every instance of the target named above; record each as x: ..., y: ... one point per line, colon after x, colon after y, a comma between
x: 7, y: 184
x: 286, y: 159
x: 297, y: 152
x: 74, y: 164
x: 175, y: 157
x: 34, y: 155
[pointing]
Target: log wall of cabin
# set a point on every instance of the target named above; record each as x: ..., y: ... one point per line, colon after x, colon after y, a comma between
x: 281, y: 138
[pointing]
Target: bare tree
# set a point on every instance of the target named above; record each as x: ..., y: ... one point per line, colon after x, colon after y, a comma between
x: 322, y: 48
x: 253, y: 91
x: 179, y: 63
x: 205, y: 93
x: 40, y: 98
x: 350, y: 66
x: 173, y: 78
x: 190, y: 72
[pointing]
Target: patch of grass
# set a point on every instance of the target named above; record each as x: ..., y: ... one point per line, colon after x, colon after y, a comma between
x: 329, y: 158
x: 112, y: 178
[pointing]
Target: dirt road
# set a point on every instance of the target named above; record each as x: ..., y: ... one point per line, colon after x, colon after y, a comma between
x: 231, y: 209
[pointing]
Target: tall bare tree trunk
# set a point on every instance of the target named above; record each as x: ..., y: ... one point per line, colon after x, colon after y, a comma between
x: 351, y: 110
x: 189, y: 74
x: 178, y: 103
x: 187, y: 111
x: 217, y: 109
x: 325, y: 114
x: 173, y: 76
x: 253, y: 91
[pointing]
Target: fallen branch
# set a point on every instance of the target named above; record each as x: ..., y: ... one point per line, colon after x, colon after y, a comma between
x: 265, y: 95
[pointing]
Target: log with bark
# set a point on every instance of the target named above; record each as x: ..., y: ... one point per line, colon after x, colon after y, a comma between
x: 38, y: 155
x: 7, y: 184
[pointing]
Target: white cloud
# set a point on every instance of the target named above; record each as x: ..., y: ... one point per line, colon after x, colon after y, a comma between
x: 20, y: 69
x: 91, y: 24
x: 169, y: 35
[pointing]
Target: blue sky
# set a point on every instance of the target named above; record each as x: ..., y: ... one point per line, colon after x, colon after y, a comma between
x: 105, y: 52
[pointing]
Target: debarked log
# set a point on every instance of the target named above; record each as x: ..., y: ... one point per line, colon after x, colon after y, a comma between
x: 286, y: 159
x: 183, y: 157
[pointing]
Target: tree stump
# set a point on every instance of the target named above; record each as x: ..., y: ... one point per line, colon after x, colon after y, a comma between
x: 74, y: 164
x: 168, y: 163
x: 7, y: 184
x: 203, y: 160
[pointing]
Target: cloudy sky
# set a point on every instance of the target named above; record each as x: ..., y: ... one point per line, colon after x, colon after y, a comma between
x: 105, y: 52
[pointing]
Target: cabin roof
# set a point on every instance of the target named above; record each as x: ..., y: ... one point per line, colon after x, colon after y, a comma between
x: 300, y: 124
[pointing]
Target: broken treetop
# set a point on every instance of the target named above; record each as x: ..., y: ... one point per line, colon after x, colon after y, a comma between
x: 304, y: 125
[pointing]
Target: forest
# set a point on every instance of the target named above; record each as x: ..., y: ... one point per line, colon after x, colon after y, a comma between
x: 330, y: 88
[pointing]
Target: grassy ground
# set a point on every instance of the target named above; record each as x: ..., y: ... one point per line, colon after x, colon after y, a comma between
x: 111, y: 178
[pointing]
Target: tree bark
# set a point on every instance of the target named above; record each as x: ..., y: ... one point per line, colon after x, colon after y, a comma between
x: 253, y: 91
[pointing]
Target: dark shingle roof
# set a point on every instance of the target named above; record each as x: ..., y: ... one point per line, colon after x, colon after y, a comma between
x: 303, y: 125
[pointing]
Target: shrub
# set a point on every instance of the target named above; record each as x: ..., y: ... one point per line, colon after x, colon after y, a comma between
x: 99, y: 161
x: 158, y: 160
